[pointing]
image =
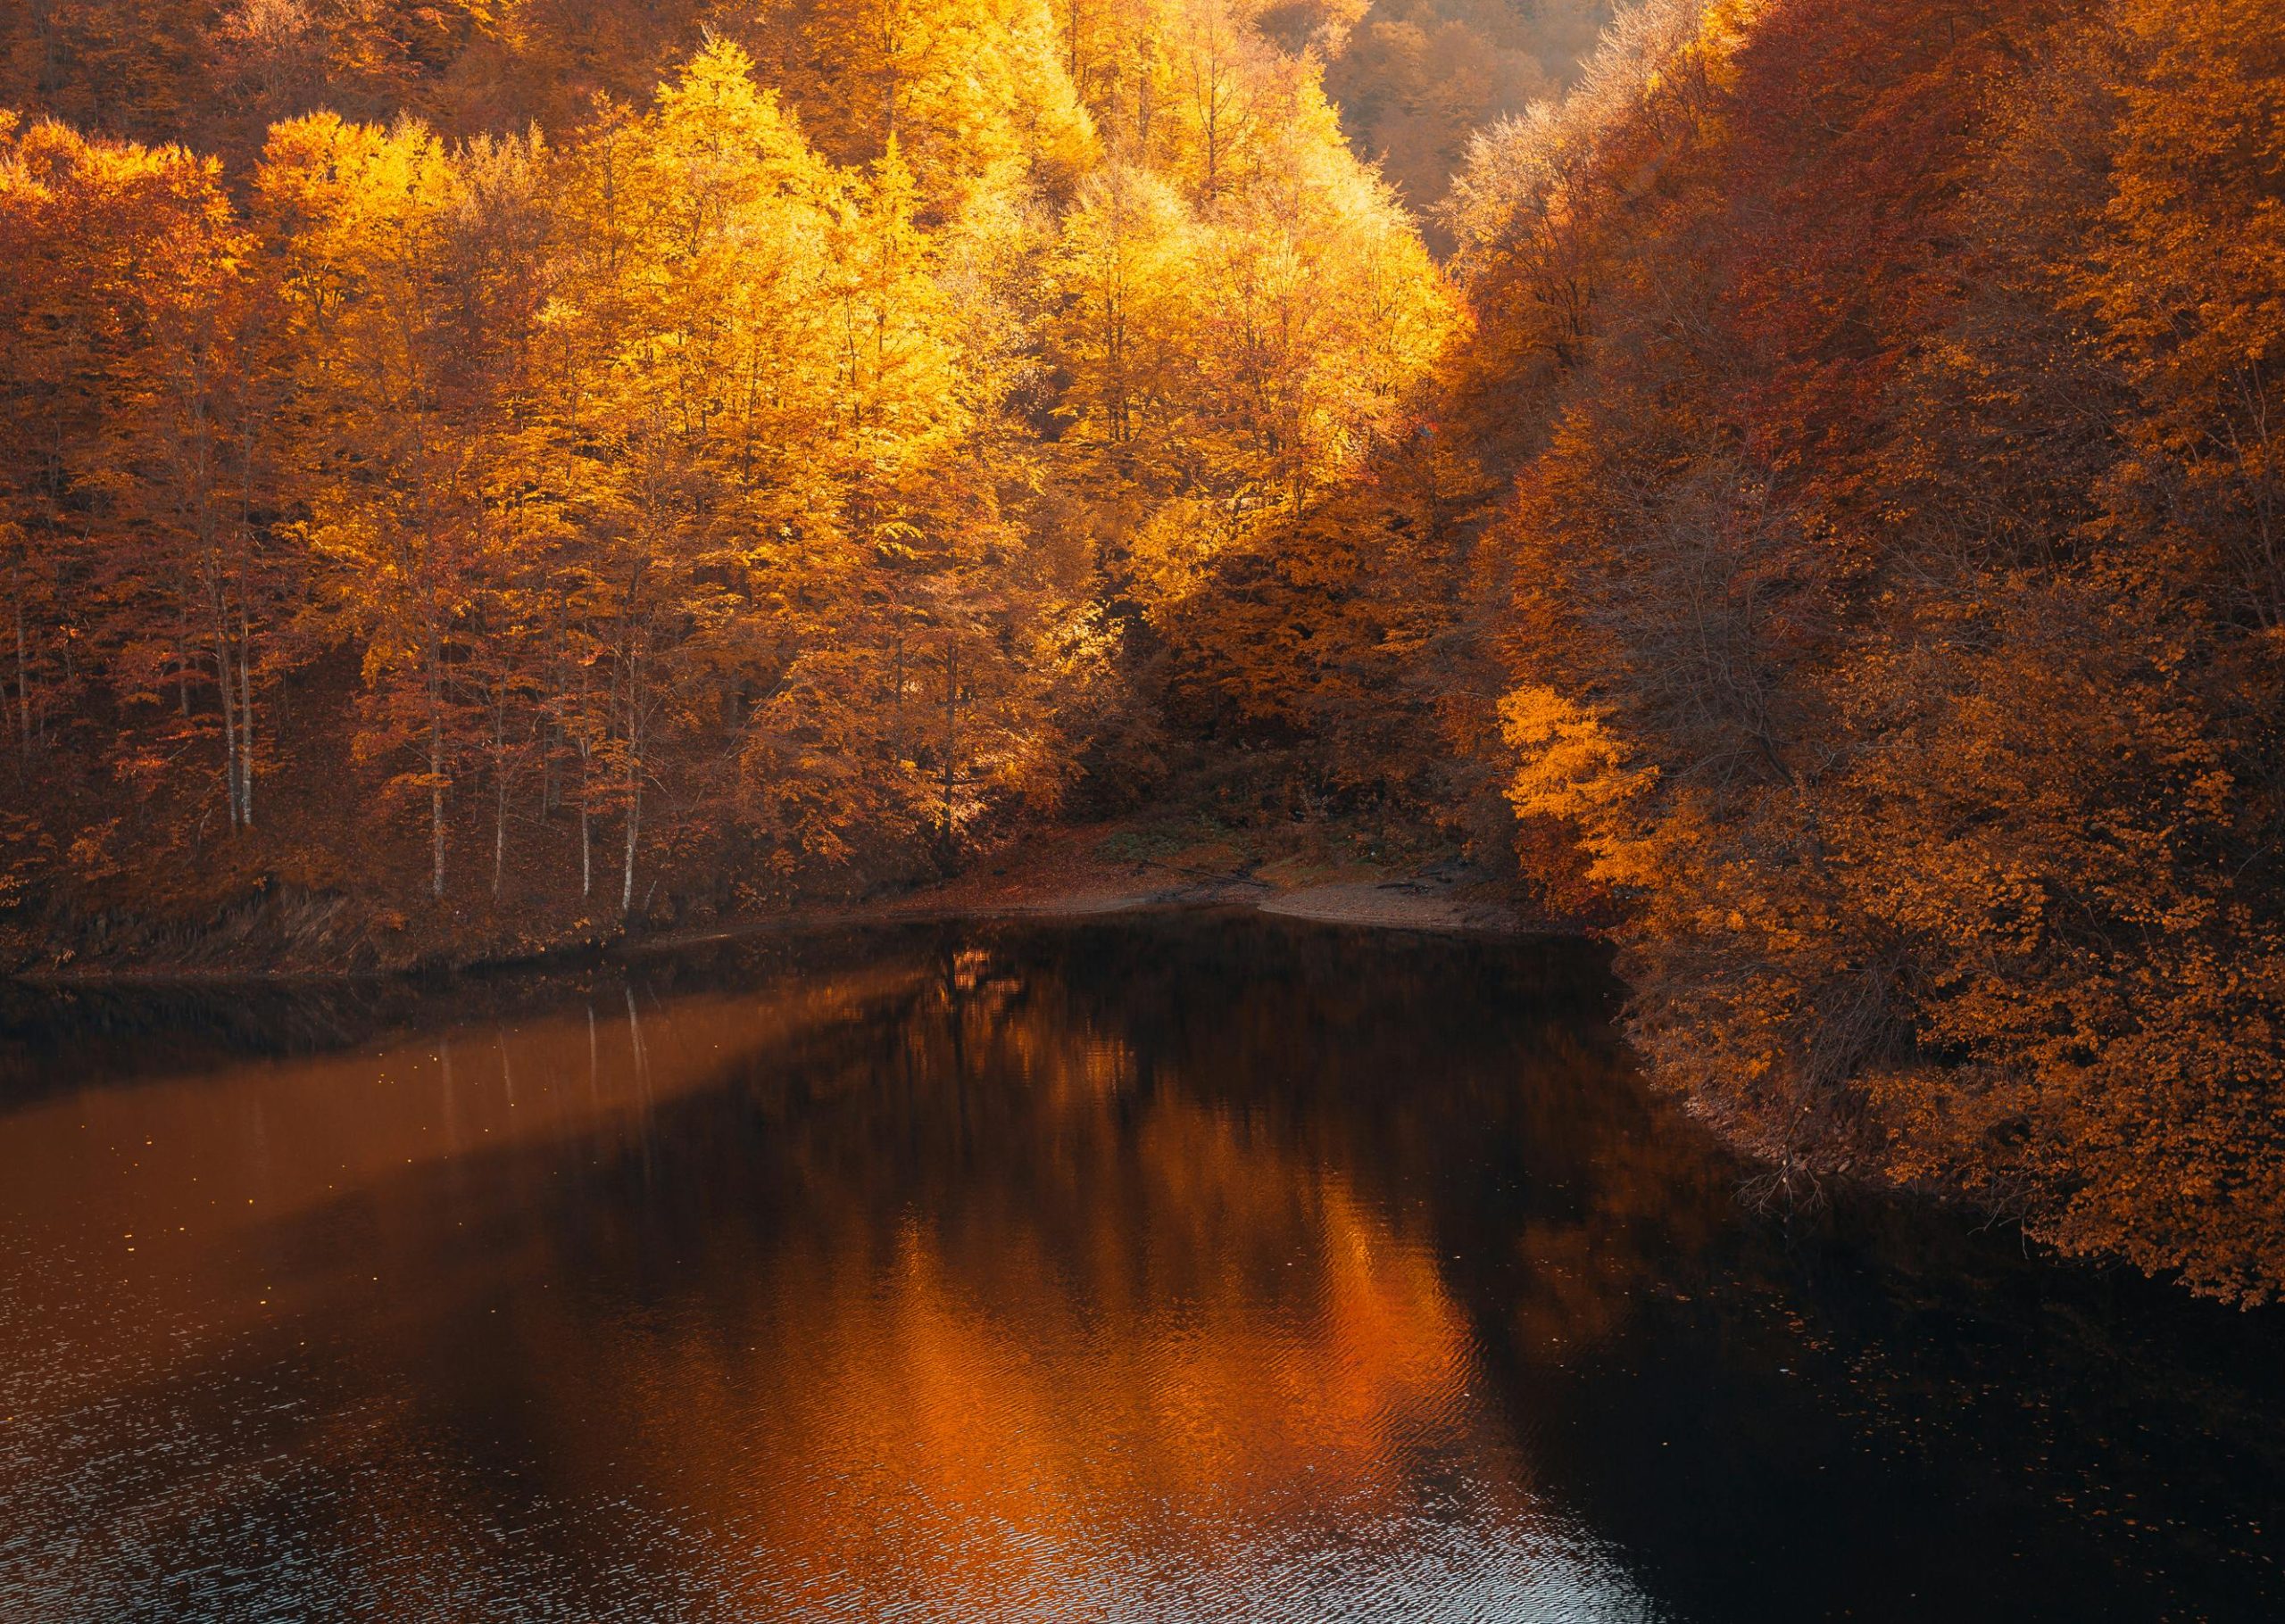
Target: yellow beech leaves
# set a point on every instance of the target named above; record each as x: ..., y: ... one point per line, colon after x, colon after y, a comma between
x: 762, y: 477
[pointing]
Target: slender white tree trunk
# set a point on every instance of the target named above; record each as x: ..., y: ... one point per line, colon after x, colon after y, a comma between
x: 586, y: 794
x: 226, y: 686
x: 499, y: 786
x: 951, y: 733
x: 634, y: 821
x: 245, y: 723
x: 435, y: 796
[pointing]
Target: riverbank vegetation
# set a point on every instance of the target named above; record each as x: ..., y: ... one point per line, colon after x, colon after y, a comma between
x: 1802, y: 498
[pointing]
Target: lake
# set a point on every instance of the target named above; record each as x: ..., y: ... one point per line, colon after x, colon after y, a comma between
x: 1163, y: 1267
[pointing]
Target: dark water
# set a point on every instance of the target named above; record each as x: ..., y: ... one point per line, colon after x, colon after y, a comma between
x: 1201, y: 1267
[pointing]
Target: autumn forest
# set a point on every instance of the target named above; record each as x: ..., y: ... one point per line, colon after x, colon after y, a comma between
x: 1791, y: 487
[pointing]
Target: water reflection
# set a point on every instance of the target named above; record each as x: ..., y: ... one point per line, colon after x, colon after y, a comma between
x: 1165, y: 1270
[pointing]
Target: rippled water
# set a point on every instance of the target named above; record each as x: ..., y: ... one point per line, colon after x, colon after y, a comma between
x: 1177, y: 1268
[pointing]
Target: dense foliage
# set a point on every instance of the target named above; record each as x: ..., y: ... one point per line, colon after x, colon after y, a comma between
x: 1890, y: 594
x: 807, y: 506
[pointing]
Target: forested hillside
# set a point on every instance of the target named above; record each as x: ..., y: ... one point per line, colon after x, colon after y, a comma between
x: 1890, y: 600
x: 1804, y: 499
x: 789, y: 472
x: 1415, y: 79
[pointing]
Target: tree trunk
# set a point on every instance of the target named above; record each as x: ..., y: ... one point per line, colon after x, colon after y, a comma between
x: 245, y: 723
x: 499, y: 834
x: 435, y: 796
x: 633, y: 819
x: 586, y: 792
x: 951, y: 734
x: 896, y: 710
x: 227, y: 688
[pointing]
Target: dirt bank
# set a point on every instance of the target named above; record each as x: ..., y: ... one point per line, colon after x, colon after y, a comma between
x: 1107, y: 868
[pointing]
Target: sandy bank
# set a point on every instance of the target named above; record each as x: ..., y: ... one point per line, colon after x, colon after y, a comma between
x: 1407, y: 904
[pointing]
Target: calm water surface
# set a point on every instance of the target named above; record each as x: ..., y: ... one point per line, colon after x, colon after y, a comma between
x: 1178, y: 1268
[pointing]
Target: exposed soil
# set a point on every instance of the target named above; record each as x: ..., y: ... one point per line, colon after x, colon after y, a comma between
x: 1120, y: 867
x: 1165, y: 858
x: 1407, y: 902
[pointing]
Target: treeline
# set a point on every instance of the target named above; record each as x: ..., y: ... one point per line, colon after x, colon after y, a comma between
x: 1890, y: 601
x: 1413, y: 79
x: 673, y: 493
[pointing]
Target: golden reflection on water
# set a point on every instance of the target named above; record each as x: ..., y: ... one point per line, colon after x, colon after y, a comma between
x: 966, y: 1309
x: 153, y: 1186
x: 1194, y: 1270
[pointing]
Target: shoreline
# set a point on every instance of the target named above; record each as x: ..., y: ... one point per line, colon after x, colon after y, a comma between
x: 1423, y: 902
